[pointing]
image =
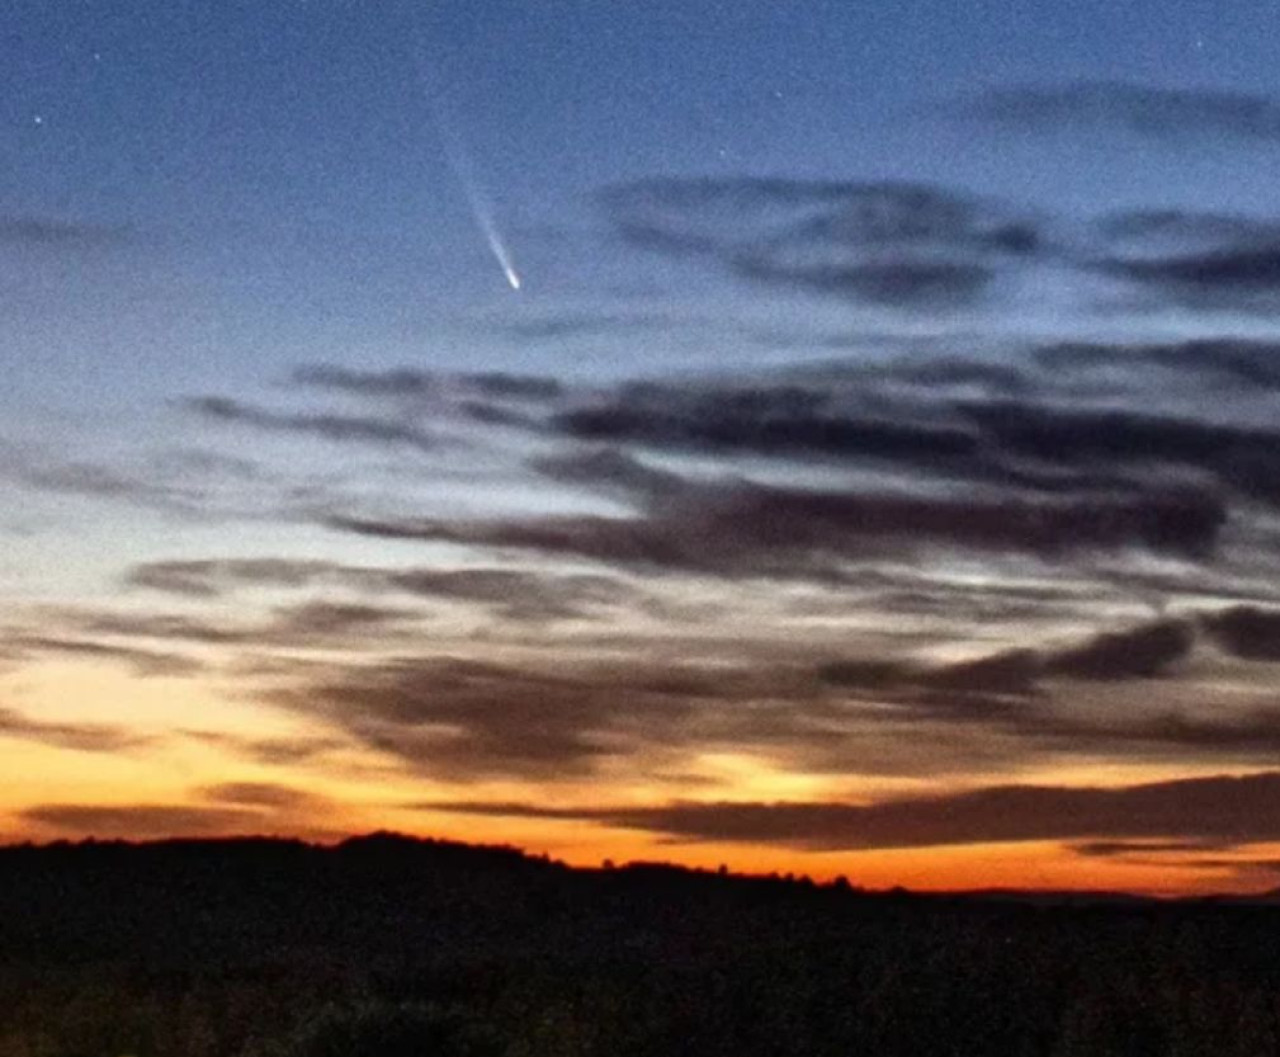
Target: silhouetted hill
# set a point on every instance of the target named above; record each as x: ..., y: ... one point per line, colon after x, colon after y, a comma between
x: 398, y: 947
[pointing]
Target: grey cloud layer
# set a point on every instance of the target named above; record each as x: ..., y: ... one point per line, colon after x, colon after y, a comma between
x: 1248, y: 632
x: 1140, y: 652
x: 1057, y: 471
x: 453, y: 716
x: 1201, y: 259
x: 1044, y: 459
x: 924, y: 247
x: 1228, y: 810
x: 1029, y: 442
x: 896, y: 243
x: 1099, y: 470
x: 467, y: 719
x: 759, y: 531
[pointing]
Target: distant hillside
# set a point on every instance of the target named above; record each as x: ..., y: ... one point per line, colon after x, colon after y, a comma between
x: 391, y: 947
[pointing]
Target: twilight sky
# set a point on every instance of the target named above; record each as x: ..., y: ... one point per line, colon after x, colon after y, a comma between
x: 876, y: 472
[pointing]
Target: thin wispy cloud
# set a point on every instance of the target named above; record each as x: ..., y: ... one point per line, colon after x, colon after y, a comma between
x: 48, y: 233
x: 1171, y: 113
x: 334, y: 427
x: 80, y: 737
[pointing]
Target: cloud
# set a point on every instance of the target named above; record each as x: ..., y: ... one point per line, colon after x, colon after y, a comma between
x: 1023, y: 699
x: 161, y: 626
x: 1210, y: 261
x: 146, y: 663
x: 774, y: 420
x: 18, y: 230
x: 1245, y: 867
x: 91, y: 479
x: 709, y: 212
x: 1240, y: 456
x: 1233, y: 810
x: 549, y: 718
x: 1142, y: 652
x: 81, y: 737
x: 398, y: 382
x: 920, y: 247
x: 1237, y: 276
x: 1011, y: 672
x: 1166, y: 113
x: 1248, y: 366
x: 1254, y: 736
x: 466, y: 719
x: 1050, y: 727
x: 283, y: 751
x: 1109, y: 849
x: 611, y: 470
x: 1184, y: 855
x: 891, y: 280
x: 737, y: 529
x: 144, y: 821
x: 1072, y: 435
x: 517, y: 595
x: 316, y: 622
x: 260, y: 795
x: 411, y: 383
x: 552, y: 719
x: 944, y: 372
x: 896, y: 243
x: 490, y: 398
x: 945, y: 430
x: 210, y: 578
x: 1065, y: 468
x: 504, y: 385
x: 868, y: 674
x: 1247, y: 632
x: 327, y: 426
x: 327, y: 621
x: 558, y: 326
x: 178, y: 481
x: 514, y: 594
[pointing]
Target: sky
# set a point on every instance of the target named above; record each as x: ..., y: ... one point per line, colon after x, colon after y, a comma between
x: 823, y: 438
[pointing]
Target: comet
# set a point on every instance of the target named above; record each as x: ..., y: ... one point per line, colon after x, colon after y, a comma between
x: 482, y: 208
x: 464, y: 171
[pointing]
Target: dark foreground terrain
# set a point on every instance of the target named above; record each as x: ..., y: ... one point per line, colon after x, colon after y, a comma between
x: 387, y: 947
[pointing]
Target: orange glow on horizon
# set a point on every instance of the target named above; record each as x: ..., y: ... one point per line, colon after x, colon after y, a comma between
x: 173, y: 768
x: 1028, y: 866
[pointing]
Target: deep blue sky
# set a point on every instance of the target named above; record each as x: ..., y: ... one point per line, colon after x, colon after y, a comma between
x: 282, y: 185
x: 308, y: 113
